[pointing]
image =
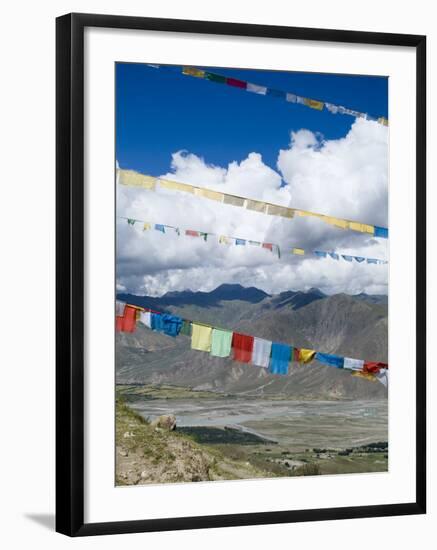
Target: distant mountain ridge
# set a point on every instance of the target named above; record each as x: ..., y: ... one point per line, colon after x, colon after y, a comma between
x: 353, y: 326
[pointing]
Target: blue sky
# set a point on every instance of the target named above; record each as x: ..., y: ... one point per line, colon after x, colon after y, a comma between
x: 161, y: 111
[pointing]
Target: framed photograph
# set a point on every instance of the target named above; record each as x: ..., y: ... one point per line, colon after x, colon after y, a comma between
x: 240, y: 274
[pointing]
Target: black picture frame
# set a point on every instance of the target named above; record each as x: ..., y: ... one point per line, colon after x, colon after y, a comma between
x: 70, y: 273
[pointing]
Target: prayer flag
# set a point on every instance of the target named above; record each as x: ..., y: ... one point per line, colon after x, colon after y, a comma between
x: 256, y: 89
x: 242, y: 345
x: 306, y: 355
x: 362, y: 227
x: 176, y: 186
x: 201, y: 337
x: 127, y: 322
x: 374, y: 366
x: 359, y: 259
x: 334, y: 256
x: 241, y: 242
x: 314, y: 104
x: 215, y: 77
x: 280, y: 357
x: 208, y: 194
x: 192, y: 233
x: 353, y: 364
x: 347, y: 258
x: 234, y: 201
x: 332, y: 108
x: 381, y: 232
x: 146, y: 318
x: 134, y: 179
x: 292, y: 98
x: 382, y: 376
x: 275, y: 210
x: 269, y: 246
x: 276, y: 93
x: 160, y: 227
x: 119, y: 308
x: 236, y: 83
x: 372, y: 261
x: 130, y: 221
x: 254, y: 243
x: 186, y: 328
x: 320, y: 253
x: 330, y: 360
x: 221, y: 342
x: 258, y: 206
x: 224, y: 240
x: 192, y: 71
x: 147, y: 226
x: 383, y: 120
x: 366, y: 375
x: 299, y: 251
x: 261, y: 352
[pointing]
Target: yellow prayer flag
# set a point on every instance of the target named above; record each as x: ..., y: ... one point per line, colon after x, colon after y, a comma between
x: 176, y: 186
x: 147, y: 226
x: 233, y: 200
x: 258, y: 206
x: 306, y: 355
x: 201, y: 337
x: 362, y: 227
x: 313, y: 103
x: 135, y: 179
x: 337, y: 222
x: 366, y: 375
x: 208, y: 194
x: 299, y: 251
x: 383, y: 120
x: 224, y: 240
x: 192, y: 71
x: 275, y: 210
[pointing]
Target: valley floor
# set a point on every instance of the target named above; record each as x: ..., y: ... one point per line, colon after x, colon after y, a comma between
x: 211, y: 452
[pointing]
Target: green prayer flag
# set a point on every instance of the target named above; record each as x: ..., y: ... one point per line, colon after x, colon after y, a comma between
x: 221, y: 342
x: 130, y: 221
x: 186, y: 328
x: 215, y: 78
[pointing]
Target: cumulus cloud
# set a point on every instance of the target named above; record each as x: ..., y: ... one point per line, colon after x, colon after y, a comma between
x: 345, y: 177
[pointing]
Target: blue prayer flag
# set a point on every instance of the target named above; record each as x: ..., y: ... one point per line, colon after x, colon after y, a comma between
x: 160, y: 227
x: 334, y: 256
x: 381, y: 232
x: 240, y: 241
x: 330, y: 360
x: 320, y: 253
x: 276, y: 93
x: 359, y: 259
x: 347, y: 258
x: 279, y: 359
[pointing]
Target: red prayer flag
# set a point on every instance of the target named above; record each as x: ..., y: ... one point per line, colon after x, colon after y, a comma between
x: 235, y: 82
x: 268, y: 245
x: 192, y: 233
x: 243, y: 347
x: 374, y: 366
x: 128, y: 322
x: 296, y: 352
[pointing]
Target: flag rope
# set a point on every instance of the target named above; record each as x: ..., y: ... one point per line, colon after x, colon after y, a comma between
x: 131, y: 178
x: 288, y: 97
x: 239, y: 241
x: 360, y: 367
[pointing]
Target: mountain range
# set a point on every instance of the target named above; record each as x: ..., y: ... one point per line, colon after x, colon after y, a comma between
x: 354, y: 326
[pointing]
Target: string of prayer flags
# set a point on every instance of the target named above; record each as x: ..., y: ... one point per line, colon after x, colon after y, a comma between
x: 244, y: 348
x: 254, y: 205
x: 279, y: 94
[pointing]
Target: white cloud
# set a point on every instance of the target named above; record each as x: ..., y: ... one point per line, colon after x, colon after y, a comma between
x: 345, y: 177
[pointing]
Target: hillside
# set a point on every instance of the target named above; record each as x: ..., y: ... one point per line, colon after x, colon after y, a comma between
x: 355, y: 326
